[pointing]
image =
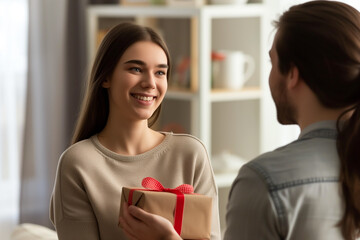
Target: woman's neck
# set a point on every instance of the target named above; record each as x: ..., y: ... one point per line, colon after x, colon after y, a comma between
x: 129, y: 138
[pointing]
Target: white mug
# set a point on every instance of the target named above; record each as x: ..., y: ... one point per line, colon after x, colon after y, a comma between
x: 233, y: 71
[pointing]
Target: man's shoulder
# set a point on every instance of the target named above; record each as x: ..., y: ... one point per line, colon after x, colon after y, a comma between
x: 296, y: 161
x: 280, y: 155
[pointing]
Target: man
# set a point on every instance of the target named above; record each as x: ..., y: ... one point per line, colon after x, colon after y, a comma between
x: 310, y: 188
x: 294, y: 192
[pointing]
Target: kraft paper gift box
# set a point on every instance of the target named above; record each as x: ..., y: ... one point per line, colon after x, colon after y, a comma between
x: 196, y: 222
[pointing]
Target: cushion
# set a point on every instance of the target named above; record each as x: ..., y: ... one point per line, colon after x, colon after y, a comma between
x: 28, y: 231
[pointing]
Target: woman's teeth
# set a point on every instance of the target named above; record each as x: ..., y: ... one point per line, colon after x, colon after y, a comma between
x: 143, y: 98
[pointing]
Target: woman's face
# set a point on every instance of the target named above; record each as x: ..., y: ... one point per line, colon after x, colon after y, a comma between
x: 139, y: 82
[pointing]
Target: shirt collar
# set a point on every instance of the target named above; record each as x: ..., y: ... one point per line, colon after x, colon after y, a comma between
x: 328, y: 124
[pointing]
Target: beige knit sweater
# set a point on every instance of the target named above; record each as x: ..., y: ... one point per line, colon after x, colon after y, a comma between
x: 85, y: 202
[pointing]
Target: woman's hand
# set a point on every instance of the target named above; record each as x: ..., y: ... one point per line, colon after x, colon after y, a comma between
x: 138, y: 224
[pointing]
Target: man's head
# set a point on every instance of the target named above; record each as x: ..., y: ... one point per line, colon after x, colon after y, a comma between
x: 322, y: 40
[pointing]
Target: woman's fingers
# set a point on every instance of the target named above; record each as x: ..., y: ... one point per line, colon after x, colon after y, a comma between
x: 140, y: 214
x: 126, y: 228
x: 139, y: 225
x: 128, y: 222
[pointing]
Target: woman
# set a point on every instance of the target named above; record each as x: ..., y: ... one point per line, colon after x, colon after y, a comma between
x: 114, y: 146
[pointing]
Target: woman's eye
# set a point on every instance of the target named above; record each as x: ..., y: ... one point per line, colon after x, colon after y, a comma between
x: 135, y: 69
x: 160, y: 73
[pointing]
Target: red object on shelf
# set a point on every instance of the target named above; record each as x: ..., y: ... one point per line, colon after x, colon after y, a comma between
x: 216, y: 56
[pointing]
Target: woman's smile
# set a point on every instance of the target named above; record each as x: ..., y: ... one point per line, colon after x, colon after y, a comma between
x: 144, y: 99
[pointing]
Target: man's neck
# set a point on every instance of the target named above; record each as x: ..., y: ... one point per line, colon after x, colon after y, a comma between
x: 313, y: 115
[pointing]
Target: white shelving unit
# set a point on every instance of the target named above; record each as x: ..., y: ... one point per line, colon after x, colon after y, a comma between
x: 225, y: 120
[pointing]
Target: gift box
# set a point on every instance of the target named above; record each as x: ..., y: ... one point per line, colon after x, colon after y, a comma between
x: 189, y: 213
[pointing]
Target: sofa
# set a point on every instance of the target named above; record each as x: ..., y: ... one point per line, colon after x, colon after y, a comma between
x: 29, y: 231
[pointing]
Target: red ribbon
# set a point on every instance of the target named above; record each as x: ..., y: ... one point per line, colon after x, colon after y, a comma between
x: 152, y: 184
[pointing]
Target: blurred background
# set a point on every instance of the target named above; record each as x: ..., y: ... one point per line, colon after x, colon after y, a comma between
x: 46, y: 50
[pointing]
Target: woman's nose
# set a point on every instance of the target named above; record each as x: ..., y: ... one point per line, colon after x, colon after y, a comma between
x: 148, y: 81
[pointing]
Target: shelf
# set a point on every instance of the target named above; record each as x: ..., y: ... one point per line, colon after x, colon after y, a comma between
x: 180, y: 94
x: 235, y: 11
x: 217, y: 95
x: 215, y: 11
x: 222, y: 95
x: 225, y: 179
x: 143, y: 11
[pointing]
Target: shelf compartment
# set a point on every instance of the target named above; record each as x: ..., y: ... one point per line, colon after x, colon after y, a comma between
x: 235, y: 128
x: 175, y: 116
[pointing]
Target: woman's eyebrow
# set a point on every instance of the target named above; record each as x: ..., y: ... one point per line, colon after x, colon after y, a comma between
x: 163, y: 66
x: 139, y: 62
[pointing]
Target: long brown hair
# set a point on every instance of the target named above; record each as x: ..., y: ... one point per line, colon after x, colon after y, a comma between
x: 95, y: 107
x: 322, y: 38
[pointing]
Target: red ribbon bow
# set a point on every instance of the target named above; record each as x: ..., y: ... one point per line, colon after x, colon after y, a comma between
x: 154, y: 185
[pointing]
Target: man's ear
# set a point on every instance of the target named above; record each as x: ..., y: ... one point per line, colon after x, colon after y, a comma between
x: 293, y: 77
x: 106, y: 83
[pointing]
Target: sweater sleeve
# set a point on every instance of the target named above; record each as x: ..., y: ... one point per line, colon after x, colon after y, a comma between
x: 250, y: 212
x: 70, y: 209
x: 204, y: 183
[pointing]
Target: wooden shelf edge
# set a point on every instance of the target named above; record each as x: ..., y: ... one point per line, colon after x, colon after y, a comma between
x: 219, y: 95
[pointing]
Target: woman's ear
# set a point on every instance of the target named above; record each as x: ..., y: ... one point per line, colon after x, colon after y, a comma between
x: 106, y: 83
